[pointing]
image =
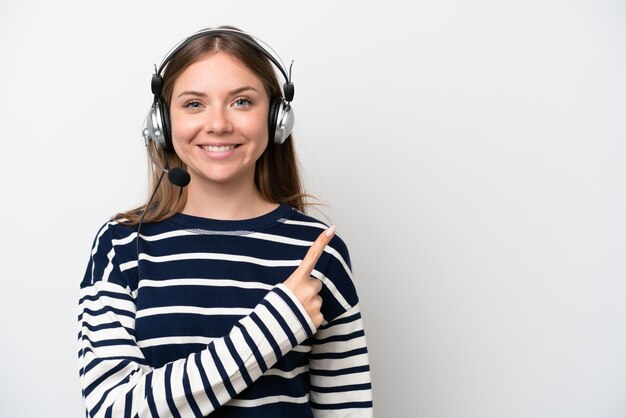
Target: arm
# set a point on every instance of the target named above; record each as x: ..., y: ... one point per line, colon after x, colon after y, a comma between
x: 117, y: 382
x: 338, y: 363
x: 339, y: 369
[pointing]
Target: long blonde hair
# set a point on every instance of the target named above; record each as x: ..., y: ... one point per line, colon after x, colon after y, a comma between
x: 277, y: 173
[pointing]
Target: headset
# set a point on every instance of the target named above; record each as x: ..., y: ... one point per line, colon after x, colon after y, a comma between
x: 157, y: 127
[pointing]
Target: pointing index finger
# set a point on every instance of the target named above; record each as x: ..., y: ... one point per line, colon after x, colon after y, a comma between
x: 316, y: 250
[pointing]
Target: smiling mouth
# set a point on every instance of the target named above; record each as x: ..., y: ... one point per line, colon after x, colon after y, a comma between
x: 220, y: 148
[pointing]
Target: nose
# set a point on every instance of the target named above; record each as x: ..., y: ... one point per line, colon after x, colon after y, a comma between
x: 218, y: 121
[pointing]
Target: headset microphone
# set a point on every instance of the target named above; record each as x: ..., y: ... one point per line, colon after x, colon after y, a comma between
x: 177, y: 176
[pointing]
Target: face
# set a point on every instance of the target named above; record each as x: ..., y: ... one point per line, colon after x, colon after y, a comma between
x: 218, y: 114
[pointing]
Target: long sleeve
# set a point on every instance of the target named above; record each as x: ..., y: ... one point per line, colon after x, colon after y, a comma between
x: 339, y: 369
x: 194, y: 320
x: 116, y: 381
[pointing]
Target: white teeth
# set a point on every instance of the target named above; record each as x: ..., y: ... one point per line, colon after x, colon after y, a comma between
x: 222, y: 148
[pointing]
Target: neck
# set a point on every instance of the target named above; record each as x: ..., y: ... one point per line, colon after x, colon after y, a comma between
x: 225, y: 202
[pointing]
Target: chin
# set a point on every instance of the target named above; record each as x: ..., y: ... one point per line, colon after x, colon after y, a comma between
x: 221, y: 178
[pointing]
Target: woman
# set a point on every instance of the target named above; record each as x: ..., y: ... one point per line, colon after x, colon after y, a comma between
x: 221, y: 297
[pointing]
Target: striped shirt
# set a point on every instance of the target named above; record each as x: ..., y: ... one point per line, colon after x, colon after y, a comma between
x: 198, y: 322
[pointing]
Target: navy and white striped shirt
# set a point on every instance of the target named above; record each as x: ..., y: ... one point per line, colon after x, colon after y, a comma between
x: 200, y: 323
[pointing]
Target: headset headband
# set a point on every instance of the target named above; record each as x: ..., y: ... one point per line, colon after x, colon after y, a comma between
x: 157, y: 80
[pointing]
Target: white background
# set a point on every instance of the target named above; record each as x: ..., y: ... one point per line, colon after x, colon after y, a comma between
x: 471, y: 154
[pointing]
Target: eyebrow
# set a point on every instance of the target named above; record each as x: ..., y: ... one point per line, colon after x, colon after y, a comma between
x: 232, y: 92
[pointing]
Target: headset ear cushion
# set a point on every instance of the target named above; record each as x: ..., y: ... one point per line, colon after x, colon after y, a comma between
x: 273, y: 117
x: 165, y: 123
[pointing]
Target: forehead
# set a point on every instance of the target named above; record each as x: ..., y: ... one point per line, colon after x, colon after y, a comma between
x: 217, y: 71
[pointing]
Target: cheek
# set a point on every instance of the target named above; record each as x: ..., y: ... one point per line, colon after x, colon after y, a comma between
x: 261, y: 133
x: 183, y: 129
x: 256, y: 127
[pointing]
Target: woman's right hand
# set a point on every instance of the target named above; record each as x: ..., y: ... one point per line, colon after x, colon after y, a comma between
x: 305, y: 287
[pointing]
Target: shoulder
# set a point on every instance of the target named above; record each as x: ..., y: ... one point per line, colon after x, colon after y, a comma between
x: 114, y: 229
x: 308, y: 228
x: 113, y: 245
x: 113, y: 235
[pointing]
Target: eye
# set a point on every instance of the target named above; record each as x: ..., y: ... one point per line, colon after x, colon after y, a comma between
x: 242, y: 102
x: 193, y: 105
